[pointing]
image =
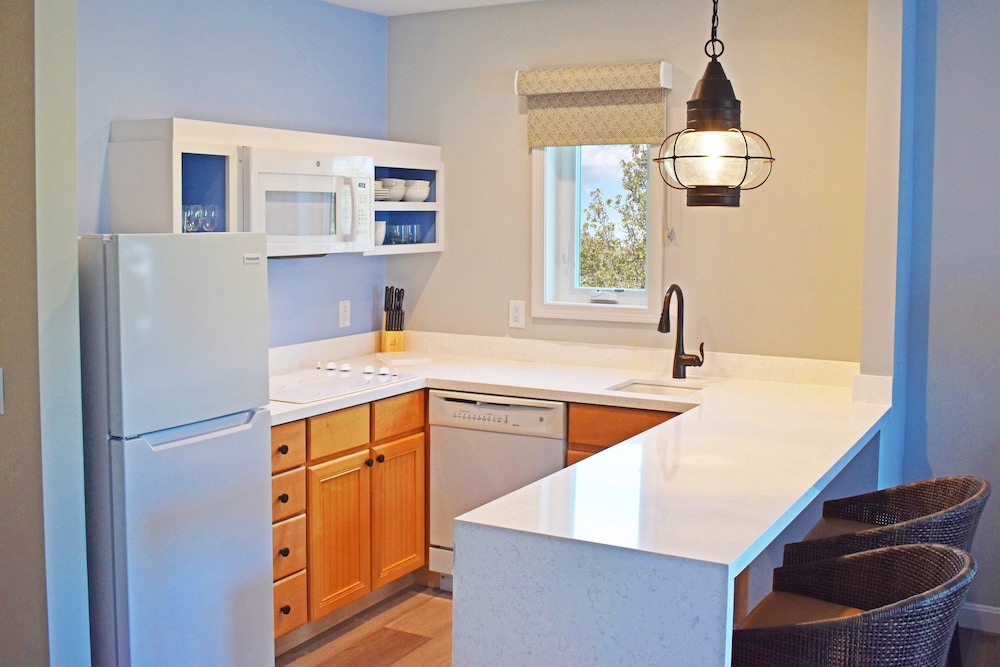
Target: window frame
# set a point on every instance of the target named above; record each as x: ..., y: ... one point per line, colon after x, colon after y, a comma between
x: 544, y: 300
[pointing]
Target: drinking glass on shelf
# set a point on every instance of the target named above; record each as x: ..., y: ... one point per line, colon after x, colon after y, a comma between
x: 191, y: 217
x: 394, y: 235
x: 411, y: 233
x: 210, y: 219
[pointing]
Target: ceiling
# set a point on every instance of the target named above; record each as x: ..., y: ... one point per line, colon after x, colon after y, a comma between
x: 399, y: 7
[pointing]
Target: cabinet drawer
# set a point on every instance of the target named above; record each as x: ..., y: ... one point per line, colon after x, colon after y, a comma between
x: 338, y: 431
x: 288, y: 445
x: 603, y: 426
x: 290, y: 610
x: 397, y: 414
x: 288, y: 546
x: 288, y: 494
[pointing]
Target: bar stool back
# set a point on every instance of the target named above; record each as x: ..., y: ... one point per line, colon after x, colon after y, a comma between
x: 899, y: 606
x: 943, y: 510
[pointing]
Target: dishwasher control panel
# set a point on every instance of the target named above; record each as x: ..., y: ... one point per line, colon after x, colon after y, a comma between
x: 501, y: 414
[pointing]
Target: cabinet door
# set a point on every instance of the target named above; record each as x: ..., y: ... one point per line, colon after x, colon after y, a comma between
x: 339, y: 545
x: 398, y: 543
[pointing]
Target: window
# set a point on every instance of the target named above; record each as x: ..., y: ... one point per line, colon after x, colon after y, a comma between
x: 597, y: 239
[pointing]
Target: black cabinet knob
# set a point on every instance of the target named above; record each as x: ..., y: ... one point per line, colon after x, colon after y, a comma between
x: 369, y: 463
x: 283, y: 449
x: 381, y: 458
x: 284, y: 551
x: 283, y: 498
x: 286, y: 610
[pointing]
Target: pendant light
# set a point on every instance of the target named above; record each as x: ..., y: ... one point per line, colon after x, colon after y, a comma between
x: 713, y: 159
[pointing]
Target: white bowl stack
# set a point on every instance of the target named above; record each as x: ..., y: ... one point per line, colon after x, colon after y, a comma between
x: 396, y: 188
x: 417, y: 191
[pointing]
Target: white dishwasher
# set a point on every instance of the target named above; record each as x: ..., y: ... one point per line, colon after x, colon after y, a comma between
x: 483, y: 447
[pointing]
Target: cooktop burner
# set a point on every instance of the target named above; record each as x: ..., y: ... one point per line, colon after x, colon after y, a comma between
x: 319, y: 384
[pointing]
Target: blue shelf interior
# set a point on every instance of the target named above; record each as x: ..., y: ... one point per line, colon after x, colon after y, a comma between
x: 203, y: 182
x: 426, y: 219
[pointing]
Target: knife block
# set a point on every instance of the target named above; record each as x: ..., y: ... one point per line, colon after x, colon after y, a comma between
x: 391, y: 341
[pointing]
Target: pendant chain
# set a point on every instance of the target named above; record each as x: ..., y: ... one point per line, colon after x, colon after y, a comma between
x: 714, y: 47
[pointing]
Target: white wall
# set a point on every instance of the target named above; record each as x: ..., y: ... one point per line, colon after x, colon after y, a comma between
x: 781, y: 275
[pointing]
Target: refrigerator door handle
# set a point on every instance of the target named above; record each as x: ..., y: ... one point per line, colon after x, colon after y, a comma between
x: 190, y: 434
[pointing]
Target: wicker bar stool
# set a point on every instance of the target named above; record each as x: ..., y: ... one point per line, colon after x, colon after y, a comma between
x: 890, y: 606
x: 943, y: 510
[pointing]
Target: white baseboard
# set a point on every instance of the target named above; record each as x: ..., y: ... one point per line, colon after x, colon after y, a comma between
x: 980, y: 617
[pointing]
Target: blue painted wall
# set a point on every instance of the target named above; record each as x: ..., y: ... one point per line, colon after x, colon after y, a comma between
x: 295, y: 64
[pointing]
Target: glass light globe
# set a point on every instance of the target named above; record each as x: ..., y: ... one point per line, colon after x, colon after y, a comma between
x: 726, y: 158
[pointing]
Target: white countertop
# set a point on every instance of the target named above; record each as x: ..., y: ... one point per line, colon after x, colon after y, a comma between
x: 557, y: 382
x: 714, y: 484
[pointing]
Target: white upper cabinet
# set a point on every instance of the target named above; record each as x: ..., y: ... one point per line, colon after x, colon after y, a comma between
x: 181, y: 176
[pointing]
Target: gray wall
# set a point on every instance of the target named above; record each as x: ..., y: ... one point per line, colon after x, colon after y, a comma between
x: 781, y: 275
x: 953, y: 425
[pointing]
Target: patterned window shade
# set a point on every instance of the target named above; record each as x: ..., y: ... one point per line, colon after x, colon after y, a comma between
x: 606, y: 104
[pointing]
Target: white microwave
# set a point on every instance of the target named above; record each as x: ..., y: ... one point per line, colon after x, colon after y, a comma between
x: 308, y: 203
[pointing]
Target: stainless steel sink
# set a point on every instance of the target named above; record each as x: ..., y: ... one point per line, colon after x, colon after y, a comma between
x: 661, y: 387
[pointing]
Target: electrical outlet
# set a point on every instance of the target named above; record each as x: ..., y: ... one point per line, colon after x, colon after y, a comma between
x: 345, y: 313
x: 515, y: 315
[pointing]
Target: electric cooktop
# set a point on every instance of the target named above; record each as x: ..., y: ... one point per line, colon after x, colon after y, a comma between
x: 330, y: 381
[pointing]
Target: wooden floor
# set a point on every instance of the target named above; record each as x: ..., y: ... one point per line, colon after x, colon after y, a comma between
x: 413, y: 628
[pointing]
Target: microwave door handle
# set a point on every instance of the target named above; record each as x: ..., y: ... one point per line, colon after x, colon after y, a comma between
x: 352, y: 184
x: 336, y: 214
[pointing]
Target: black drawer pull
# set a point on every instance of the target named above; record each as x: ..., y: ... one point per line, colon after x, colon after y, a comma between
x: 283, y: 498
x: 381, y: 458
x: 286, y: 610
x: 369, y: 463
x: 284, y: 552
x: 283, y: 449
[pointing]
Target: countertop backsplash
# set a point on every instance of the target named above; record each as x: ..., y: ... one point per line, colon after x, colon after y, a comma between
x: 717, y: 364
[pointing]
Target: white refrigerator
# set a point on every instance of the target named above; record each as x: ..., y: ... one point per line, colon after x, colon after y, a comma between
x: 177, y: 448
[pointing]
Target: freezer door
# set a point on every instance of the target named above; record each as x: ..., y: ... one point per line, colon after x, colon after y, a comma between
x: 187, y: 328
x: 192, y: 545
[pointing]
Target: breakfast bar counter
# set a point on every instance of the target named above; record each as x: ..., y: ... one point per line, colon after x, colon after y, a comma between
x: 631, y: 556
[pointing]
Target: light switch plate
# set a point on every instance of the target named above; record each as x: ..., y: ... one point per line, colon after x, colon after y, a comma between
x: 1, y: 391
x: 345, y: 313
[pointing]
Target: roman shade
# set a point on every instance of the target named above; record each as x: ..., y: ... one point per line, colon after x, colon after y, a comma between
x: 604, y: 104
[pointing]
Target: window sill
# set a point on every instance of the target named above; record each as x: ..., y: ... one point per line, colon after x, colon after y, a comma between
x: 603, y: 312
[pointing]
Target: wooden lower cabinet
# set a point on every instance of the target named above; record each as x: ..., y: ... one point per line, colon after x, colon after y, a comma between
x: 366, y: 508
x: 398, y: 543
x: 339, y: 532
x: 288, y: 528
x: 365, y: 520
x: 596, y: 427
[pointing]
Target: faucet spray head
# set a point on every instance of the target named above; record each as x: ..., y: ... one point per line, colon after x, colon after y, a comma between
x: 664, y: 325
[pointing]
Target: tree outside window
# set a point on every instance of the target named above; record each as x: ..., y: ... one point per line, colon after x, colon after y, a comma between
x: 612, y: 234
